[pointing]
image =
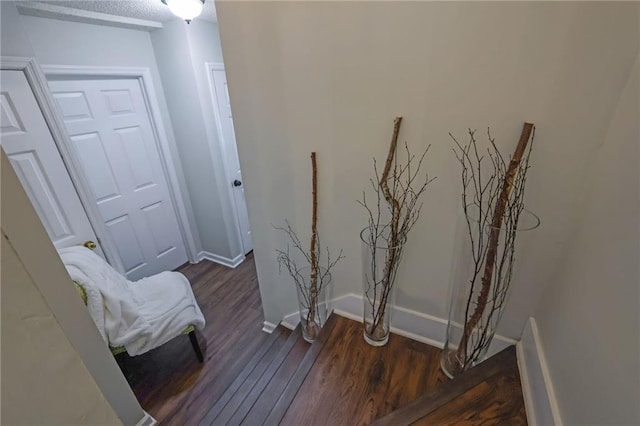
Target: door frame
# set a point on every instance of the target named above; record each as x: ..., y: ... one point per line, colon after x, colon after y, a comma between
x: 219, y: 66
x: 143, y: 76
x: 38, y: 84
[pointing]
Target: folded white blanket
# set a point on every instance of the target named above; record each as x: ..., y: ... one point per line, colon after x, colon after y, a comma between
x: 139, y: 315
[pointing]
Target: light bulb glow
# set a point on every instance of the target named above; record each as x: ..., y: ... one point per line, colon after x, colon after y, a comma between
x: 185, y: 9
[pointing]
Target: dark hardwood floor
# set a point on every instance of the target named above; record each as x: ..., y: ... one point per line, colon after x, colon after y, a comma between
x: 495, y: 401
x: 352, y: 383
x: 488, y: 394
x: 347, y: 383
x: 169, y: 382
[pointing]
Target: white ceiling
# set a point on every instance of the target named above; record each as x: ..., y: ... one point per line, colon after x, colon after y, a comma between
x: 151, y: 10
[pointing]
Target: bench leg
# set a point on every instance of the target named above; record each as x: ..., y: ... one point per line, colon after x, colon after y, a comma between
x: 196, y: 346
x: 121, y: 359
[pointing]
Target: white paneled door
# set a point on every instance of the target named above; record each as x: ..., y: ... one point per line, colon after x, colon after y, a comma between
x: 27, y: 141
x: 225, y: 124
x: 110, y: 131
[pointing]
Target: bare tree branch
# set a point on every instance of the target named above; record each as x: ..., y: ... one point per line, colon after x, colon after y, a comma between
x: 492, y: 201
x: 397, y: 186
x: 318, y: 277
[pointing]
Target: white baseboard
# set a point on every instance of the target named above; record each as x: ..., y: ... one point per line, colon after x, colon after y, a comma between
x: 268, y: 327
x: 539, y: 397
x: 147, y: 420
x: 225, y: 261
x: 291, y: 321
x: 405, y: 322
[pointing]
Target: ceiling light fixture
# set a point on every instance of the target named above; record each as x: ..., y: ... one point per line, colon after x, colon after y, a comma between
x: 185, y: 9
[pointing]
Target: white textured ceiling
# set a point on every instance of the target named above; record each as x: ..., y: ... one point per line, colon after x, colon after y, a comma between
x: 152, y: 10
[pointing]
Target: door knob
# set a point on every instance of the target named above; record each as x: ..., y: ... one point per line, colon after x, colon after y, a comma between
x: 90, y: 245
x: 237, y: 183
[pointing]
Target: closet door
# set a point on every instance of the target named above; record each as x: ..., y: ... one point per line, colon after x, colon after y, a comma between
x: 27, y: 141
x: 111, y: 133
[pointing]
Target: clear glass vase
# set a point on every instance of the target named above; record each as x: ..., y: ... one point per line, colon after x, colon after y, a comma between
x: 379, y: 269
x: 313, y: 304
x: 480, y: 286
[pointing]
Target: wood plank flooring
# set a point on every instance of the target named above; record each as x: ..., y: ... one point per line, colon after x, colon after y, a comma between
x: 495, y: 401
x: 352, y: 383
x: 349, y: 383
x: 169, y: 382
x: 265, y: 403
x: 488, y: 394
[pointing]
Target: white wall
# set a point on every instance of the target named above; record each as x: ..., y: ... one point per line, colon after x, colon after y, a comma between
x: 13, y: 39
x: 182, y: 51
x: 204, y: 44
x: 331, y: 76
x: 50, y: 345
x: 58, y: 42
x: 589, y: 315
x: 43, y: 378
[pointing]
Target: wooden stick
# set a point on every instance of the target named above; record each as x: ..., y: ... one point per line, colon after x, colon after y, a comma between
x: 494, y: 236
x: 395, y: 204
x: 393, y: 236
x: 390, y: 155
x: 313, y: 283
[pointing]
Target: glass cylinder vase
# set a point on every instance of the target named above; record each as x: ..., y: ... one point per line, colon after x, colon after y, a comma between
x: 380, y: 264
x: 312, y: 303
x: 481, y: 274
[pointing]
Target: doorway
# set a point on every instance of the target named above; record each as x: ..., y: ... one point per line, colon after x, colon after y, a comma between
x: 111, y: 136
x: 227, y: 138
x: 111, y: 184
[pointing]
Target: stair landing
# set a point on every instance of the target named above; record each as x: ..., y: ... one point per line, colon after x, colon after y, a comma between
x: 341, y: 380
x: 352, y: 382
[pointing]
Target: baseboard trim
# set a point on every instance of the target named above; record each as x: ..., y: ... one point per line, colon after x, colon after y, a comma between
x: 225, y: 261
x: 291, y: 321
x: 268, y: 327
x: 147, y: 420
x: 539, y: 397
x: 414, y: 325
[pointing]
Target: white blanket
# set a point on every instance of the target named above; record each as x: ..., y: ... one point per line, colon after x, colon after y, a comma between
x: 139, y: 315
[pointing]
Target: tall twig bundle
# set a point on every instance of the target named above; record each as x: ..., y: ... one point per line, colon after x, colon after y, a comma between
x: 398, y: 187
x: 495, y: 193
x: 319, y: 276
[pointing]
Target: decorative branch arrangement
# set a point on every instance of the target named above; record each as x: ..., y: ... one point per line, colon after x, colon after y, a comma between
x: 309, y: 288
x: 398, y: 186
x: 492, y: 199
